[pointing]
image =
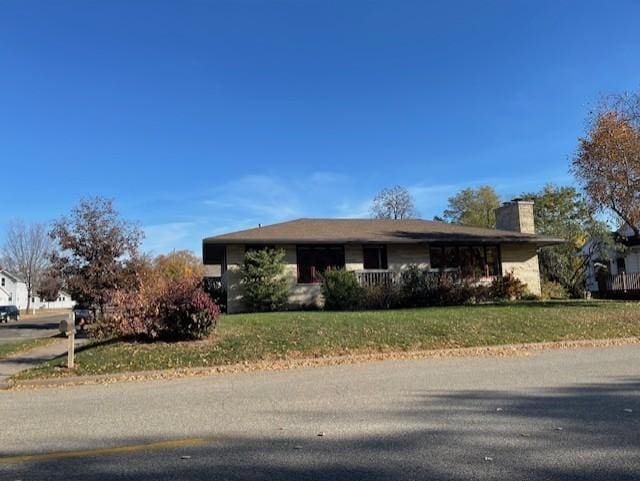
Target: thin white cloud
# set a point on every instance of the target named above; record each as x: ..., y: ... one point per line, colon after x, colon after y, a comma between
x: 162, y: 238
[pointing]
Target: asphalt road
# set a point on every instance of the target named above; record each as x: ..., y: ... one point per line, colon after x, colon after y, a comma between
x: 42, y: 327
x: 560, y: 415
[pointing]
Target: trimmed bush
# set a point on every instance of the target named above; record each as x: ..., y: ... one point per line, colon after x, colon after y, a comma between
x: 265, y: 286
x: 507, y: 287
x: 382, y: 297
x: 185, y: 311
x: 341, y: 290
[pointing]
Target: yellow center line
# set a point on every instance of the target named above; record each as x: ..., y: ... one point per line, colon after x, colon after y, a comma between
x: 180, y: 443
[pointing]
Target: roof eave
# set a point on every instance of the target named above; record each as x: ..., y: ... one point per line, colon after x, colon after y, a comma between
x: 539, y: 241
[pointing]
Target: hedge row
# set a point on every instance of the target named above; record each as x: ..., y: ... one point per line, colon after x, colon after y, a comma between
x: 417, y: 288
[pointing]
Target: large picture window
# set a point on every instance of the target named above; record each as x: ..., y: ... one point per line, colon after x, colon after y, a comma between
x: 313, y: 260
x: 374, y: 257
x: 472, y: 261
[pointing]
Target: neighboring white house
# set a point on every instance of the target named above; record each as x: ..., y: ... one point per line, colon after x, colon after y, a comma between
x: 13, y: 291
x: 615, y: 272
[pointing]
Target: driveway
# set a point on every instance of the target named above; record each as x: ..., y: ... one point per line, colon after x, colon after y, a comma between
x: 45, y: 326
x: 559, y: 415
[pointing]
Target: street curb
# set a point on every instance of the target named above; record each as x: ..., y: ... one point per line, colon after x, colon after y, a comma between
x: 281, y: 365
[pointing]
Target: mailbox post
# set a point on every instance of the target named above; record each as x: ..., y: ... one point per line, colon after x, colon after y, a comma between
x: 68, y: 328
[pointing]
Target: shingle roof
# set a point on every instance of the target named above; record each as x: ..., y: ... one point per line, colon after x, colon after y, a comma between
x: 362, y: 231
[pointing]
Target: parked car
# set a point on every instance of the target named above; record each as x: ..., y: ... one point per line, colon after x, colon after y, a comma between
x: 82, y: 316
x: 8, y: 313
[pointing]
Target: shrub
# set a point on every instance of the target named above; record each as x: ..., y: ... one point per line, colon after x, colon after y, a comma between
x: 507, y: 287
x: 341, y: 290
x: 382, y: 297
x: 553, y: 290
x: 414, y: 286
x: 265, y: 287
x: 185, y: 311
x: 174, y: 310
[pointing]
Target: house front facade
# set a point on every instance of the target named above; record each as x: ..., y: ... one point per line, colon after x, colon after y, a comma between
x: 380, y: 249
x: 617, y: 271
x: 13, y: 291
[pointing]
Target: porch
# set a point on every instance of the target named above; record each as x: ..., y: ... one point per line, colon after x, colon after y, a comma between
x: 625, y: 282
x: 384, y: 277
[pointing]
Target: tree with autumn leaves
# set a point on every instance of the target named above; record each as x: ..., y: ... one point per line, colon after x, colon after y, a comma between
x: 99, y: 262
x: 607, y: 162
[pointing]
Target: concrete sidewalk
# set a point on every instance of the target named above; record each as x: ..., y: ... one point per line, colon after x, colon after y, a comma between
x: 13, y: 365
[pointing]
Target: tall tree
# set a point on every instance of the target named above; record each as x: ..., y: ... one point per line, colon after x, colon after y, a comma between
x: 607, y: 162
x: 179, y: 264
x: 393, y: 203
x: 95, y: 245
x: 26, y: 252
x: 473, y: 207
x: 563, y: 212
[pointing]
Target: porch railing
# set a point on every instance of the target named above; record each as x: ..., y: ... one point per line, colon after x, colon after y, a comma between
x: 371, y: 278
x: 624, y: 282
x: 381, y: 277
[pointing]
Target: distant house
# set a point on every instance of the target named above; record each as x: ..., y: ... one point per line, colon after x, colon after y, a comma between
x: 377, y: 250
x: 13, y: 291
x: 615, y: 273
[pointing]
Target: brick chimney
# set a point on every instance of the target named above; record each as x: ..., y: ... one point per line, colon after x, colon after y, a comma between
x: 516, y: 215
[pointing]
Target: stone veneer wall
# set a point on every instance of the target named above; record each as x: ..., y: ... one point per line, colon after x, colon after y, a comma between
x: 517, y: 216
x: 522, y: 261
x: 398, y: 258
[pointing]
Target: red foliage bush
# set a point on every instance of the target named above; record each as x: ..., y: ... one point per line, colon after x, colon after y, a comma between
x: 170, y: 310
x: 507, y: 287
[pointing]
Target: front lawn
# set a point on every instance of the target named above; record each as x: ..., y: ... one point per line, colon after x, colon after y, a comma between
x: 283, y: 335
x: 8, y: 349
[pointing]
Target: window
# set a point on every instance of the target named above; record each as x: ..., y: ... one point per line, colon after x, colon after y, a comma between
x: 213, y: 254
x: 622, y: 265
x: 472, y: 261
x: 3, y: 282
x: 374, y: 257
x: 314, y: 260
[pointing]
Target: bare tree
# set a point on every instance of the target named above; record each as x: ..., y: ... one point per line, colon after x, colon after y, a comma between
x: 393, y: 203
x: 26, y: 252
x: 607, y: 163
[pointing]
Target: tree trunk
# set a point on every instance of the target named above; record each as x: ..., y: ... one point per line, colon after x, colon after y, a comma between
x: 28, y: 296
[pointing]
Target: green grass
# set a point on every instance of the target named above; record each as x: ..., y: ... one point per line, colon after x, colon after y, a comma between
x: 8, y: 349
x: 254, y: 337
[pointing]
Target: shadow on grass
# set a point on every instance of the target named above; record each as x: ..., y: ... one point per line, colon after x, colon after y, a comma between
x: 579, y: 432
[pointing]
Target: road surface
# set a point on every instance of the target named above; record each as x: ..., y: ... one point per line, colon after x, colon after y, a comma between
x: 559, y: 415
x: 45, y: 326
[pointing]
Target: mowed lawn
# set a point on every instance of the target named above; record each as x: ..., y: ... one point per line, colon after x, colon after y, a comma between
x: 270, y: 336
x: 9, y: 349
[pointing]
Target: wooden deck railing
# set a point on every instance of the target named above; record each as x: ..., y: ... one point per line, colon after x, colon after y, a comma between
x: 370, y: 278
x: 624, y: 282
x: 382, y: 277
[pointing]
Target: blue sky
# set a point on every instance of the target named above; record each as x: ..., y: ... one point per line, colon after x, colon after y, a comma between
x: 200, y: 117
